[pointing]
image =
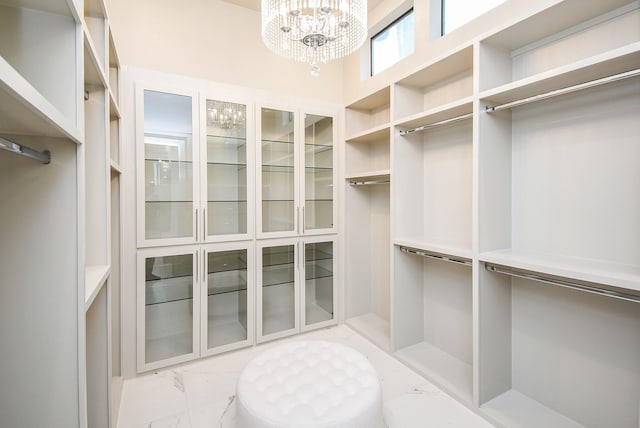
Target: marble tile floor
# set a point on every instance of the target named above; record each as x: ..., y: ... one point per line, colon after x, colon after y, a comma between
x: 201, y: 394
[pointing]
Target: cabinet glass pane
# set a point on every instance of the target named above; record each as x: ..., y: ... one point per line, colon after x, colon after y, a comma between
x: 168, y: 165
x: 168, y: 307
x: 318, y: 282
x: 226, y: 297
x: 226, y: 168
x: 278, y: 171
x: 278, y: 289
x: 318, y: 138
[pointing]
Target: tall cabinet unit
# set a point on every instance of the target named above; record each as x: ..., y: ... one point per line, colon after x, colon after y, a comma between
x: 367, y: 157
x: 194, y: 187
x: 295, y: 221
x: 515, y: 282
x: 59, y: 214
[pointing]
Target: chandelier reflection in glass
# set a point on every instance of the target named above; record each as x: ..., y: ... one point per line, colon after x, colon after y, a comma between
x: 226, y: 115
x: 314, y: 31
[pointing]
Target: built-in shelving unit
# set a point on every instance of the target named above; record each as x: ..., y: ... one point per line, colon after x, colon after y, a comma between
x: 515, y: 282
x: 54, y: 97
x: 367, y: 215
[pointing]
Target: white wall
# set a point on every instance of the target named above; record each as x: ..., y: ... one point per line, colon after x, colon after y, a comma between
x: 212, y: 40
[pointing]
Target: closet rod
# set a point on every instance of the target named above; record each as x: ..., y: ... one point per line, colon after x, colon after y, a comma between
x: 10, y: 146
x: 368, y: 182
x: 567, y: 284
x: 409, y: 250
x: 433, y: 125
x: 567, y: 90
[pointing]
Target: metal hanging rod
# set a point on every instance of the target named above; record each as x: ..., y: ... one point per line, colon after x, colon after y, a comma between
x: 436, y: 124
x: 368, y: 182
x: 566, y: 284
x: 567, y: 90
x: 422, y: 253
x: 10, y: 146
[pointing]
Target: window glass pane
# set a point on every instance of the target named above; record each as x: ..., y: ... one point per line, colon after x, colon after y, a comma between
x: 456, y: 13
x: 392, y: 44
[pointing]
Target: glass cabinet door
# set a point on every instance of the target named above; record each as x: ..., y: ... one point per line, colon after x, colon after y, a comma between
x: 168, y: 166
x: 318, y: 283
x: 227, y: 318
x: 226, y: 168
x: 318, y: 159
x: 168, y: 314
x: 278, y: 171
x: 277, y: 293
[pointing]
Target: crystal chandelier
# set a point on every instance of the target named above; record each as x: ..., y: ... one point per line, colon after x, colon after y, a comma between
x: 225, y: 115
x: 314, y: 31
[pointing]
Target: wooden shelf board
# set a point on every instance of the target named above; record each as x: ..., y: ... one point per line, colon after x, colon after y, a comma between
x: 514, y: 409
x: 94, y: 279
x: 383, y: 174
x: 449, y: 372
x: 95, y: 9
x: 114, y: 110
x: 379, y: 132
x: 444, y: 112
x: 115, y: 166
x: 609, y: 274
x: 114, y: 60
x: 596, y: 67
x: 440, y: 69
x: 59, y: 7
x: 457, y: 252
x: 374, y: 328
x: 25, y: 111
x: 377, y: 99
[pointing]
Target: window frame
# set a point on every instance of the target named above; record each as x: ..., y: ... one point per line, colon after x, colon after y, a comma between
x: 400, y: 17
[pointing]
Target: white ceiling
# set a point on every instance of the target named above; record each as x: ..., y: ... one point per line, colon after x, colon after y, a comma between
x: 255, y: 4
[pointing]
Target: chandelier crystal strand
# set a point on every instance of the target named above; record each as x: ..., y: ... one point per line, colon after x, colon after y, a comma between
x: 314, y: 31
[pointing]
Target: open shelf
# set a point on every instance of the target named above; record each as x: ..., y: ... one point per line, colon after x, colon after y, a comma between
x: 93, y: 71
x: 380, y: 132
x: 433, y: 323
x: 437, y: 165
x: 457, y: 252
x: 445, y: 112
x: 444, y: 81
x: 561, y: 37
x: 536, y: 337
x: 95, y: 278
x: 368, y: 115
x: 547, y: 201
x: 38, y: 69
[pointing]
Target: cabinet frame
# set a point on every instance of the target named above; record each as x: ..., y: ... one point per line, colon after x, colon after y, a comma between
x: 251, y: 299
x: 142, y: 240
x: 143, y: 254
x: 299, y: 171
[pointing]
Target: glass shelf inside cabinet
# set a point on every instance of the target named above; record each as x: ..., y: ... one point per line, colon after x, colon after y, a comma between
x: 226, y: 297
x: 318, y: 282
x: 168, y: 165
x: 226, y: 168
x: 168, y: 306
x: 278, y: 289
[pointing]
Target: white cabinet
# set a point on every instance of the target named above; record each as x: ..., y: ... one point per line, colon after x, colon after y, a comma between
x: 296, y: 286
x: 193, y: 301
x: 297, y: 161
x: 195, y: 160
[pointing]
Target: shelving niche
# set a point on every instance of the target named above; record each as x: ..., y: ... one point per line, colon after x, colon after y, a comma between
x: 367, y: 221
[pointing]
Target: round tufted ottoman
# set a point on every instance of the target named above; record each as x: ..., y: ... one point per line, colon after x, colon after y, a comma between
x: 309, y: 384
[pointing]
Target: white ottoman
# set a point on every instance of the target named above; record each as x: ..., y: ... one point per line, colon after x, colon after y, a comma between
x: 309, y: 384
